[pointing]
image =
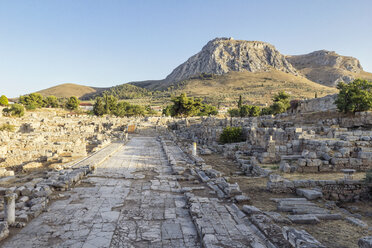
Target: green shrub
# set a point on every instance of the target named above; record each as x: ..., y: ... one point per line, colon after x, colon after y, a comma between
x: 168, y: 111
x: 32, y: 101
x: 281, y: 103
x: 51, y: 102
x: 4, y: 101
x: 207, y: 110
x: 231, y: 135
x: 266, y: 111
x: 31, y: 106
x: 278, y: 107
x: 249, y: 111
x: 234, y: 112
x: 150, y: 111
x: 72, y: 103
x: 98, y: 107
x: 135, y: 110
x: 188, y: 106
x: 7, y: 127
x: 15, y: 110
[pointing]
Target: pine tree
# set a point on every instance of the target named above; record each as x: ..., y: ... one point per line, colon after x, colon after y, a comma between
x: 240, y: 102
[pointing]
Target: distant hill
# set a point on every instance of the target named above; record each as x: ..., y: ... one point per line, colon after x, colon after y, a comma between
x: 123, y: 91
x: 328, y: 68
x: 68, y: 90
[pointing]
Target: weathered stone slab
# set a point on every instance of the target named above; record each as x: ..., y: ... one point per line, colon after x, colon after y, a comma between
x: 356, y: 222
x: 309, y: 193
x: 251, y: 210
x: 304, y: 219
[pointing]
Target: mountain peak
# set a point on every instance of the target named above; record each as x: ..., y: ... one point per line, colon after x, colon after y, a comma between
x: 326, y: 58
x: 222, y: 55
x: 326, y: 67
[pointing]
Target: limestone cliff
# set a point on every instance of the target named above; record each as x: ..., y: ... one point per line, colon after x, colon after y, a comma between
x: 327, y: 67
x: 223, y: 55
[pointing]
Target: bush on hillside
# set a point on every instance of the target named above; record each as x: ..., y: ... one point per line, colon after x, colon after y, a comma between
x: 4, y: 101
x: 235, y: 112
x: 249, y: 111
x: 72, y: 103
x: 51, y: 102
x: 99, y: 107
x: 184, y: 106
x: 111, y: 103
x: 168, y: 111
x: 266, y: 111
x: 207, y: 110
x: 32, y: 101
x: 15, y: 110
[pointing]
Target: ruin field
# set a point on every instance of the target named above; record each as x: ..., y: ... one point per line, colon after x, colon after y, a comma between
x: 84, y: 181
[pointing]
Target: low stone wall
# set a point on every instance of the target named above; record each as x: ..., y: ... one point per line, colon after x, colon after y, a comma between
x: 336, y: 190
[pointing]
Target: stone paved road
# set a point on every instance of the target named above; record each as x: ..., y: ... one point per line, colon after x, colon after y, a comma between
x: 131, y: 201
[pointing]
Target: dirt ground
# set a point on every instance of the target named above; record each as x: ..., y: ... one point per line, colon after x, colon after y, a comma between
x: 334, y: 234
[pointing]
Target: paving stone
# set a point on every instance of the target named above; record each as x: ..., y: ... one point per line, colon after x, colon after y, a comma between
x: 119, y: 208
x: 304, y: 219
x: 309, y: 194
x: 365, y: 242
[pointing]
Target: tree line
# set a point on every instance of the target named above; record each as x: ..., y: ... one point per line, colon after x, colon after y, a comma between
x: 110, y: 105
x: 184, y: 106
x: 353, y: 97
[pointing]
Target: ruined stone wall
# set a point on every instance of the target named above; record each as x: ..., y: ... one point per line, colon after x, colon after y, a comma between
x: 303, y: 148
x: 46, y: 137
x: 336, y: 190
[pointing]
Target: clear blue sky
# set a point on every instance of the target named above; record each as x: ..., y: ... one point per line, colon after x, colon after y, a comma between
x: 107, y: 42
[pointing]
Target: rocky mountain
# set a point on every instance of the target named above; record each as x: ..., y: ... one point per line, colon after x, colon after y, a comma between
x: 328, y: 68
x: 222, y: 55
x: 226, y: 67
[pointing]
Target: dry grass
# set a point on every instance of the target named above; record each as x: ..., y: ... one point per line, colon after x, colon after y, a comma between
x: 256, y: 88
x: 328, y: 74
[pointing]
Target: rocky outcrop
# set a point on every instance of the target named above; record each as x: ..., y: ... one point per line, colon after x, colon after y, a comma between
x: 222, y: 55
x: 326, y: 67
x: 325, y: 58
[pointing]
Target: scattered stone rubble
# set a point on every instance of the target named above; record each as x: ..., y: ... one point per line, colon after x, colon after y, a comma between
x: 311, y: 148
x: 51, y: 139
x: 30, y: 199
x: 220, y: 214
x: 330, y: 145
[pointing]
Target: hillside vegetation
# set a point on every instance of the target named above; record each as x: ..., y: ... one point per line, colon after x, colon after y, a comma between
x: 255, y: 87
x: 123, y: 91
